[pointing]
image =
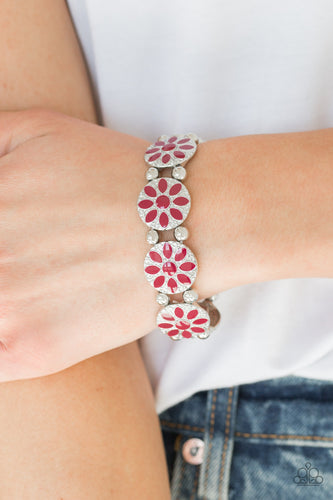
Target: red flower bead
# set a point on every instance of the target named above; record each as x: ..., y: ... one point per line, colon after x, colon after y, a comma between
x: 183, y: 320
x: 171, y: 151
x: 164, y: 203
x: 170, y: 267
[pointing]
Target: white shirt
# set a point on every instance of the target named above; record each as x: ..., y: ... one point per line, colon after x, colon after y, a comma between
x: 221, y: 69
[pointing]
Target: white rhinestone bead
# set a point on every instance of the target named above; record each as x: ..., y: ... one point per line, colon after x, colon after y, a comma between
x: 162, y: 299
x: 190, y: 296
x: 152, y: 173
x: 204, y: 335
x: 163, y: 137
x: 195, y: 138
x: 181, y: 233
x: 152, y: 236
x: 179, y: 173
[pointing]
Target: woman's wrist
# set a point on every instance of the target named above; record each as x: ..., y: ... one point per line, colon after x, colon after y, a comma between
x: 261, y: 208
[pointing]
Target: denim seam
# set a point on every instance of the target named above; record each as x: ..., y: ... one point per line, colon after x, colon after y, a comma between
x: 282, y: 436
x: 195, y: 484
x: 182, y: 470
x: 211, y: 432
x: 175, y: 425
x: 226, y: 438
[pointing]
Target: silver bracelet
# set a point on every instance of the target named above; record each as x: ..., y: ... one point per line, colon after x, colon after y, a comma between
x: 170, y: 266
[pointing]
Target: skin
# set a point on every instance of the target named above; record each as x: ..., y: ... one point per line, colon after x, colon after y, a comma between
x: 269, y: 213
x: 90, y: 260
x: 272, y: 194
x: 89, y: 431
x: 84, y: 433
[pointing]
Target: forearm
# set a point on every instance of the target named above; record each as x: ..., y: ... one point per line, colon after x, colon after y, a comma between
x: 262, y: 208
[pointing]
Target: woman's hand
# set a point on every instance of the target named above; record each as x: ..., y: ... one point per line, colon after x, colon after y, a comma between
x: 71, y: 242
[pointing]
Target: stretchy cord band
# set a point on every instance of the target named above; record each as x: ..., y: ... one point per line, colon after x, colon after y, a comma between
x: 170, y: 266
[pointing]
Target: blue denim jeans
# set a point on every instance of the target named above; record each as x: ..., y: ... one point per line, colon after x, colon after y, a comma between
x: 270, y: 440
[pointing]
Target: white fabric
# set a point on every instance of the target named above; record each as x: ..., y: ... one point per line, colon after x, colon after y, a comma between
x: 221, y: 68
